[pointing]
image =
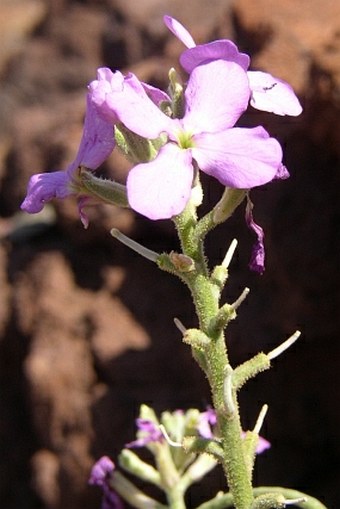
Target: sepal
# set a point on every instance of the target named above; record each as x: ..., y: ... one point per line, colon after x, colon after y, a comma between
x: 229, y: 202
x: 107, y: 191
x: 177, y: 94
x: 136, y: 148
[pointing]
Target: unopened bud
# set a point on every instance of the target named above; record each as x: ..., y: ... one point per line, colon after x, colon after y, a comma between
x: 196, y: 338
x: 181, y: 262
x: 230, y: 200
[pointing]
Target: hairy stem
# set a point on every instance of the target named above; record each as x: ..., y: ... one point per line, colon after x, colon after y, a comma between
x: 206, y: 300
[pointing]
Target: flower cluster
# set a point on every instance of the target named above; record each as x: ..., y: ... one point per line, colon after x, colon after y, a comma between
x: 199, y: 135
x: 164, y: 438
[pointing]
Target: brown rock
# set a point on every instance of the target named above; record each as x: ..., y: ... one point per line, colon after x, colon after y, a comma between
x: 18, y: 20
x: 290, y: 37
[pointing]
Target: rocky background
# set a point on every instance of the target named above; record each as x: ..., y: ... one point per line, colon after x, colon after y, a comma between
x: 86, y: 330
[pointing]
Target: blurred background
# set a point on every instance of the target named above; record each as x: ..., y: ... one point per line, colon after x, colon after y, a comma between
x: 86, y: 327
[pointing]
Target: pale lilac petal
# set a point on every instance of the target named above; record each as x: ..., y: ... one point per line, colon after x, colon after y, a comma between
x: 96, y: 145
x: 156, y: 95
x: 204, y: 430
x: 149, y: 432
x: 223, y: 49
x: 43, y: 187
x: 238, y: 158
x: 258, y: 251
x: 273, y: 95
x: 262, y: 445
x: 216, y: 96
x: 179, y: 31
x: 97, y: 141
x: 125, y: 100
x: 207, y: 420
x: 106, y: 84
x: 161, y: 188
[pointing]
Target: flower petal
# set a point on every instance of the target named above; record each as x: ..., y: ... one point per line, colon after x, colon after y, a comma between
x: 239, y: 158
x: 262, y: 445
x: 282, y: 173
x: 106, y: 84
x: 101, y: 470
x: 258, y: 252
x: 148, y: 432
x: 223, y: 49
x: 124, y: 99
x: 97, y: 141
x: 161, y: 188
x: 179, y: 31
x: 156, y: 94
x: 216, y: 96
x: 273, y: 95
x: 43, y: 187
x: 96, y: 145
x: 207, y: 420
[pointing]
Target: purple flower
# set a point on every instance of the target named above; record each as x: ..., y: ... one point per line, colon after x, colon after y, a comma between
x: 148, y: 432
x: 258, y: 252
x: 267, y: 93
x: 101, y: 471
x: 96, y: 145
x: 207, y: 421
x: 125, y: 99
x: 262, y: 445
x: 100, y: 475
x: 216, y: 95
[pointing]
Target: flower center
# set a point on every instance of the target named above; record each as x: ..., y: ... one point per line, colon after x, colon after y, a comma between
x: 185, y: 139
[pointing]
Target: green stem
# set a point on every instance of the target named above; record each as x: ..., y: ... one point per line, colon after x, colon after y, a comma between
x: 175, y: 498
x: 310, y: 503
x: 170, y: 477
x: 206, y: 300
x: 229, y: 202
x: 226, y: 500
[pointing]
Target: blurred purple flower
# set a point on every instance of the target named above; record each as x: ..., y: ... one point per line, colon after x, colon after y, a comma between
x: 101, y: 471
x: 100, y: 475
x: 262, y: 445
x: 267, y: 92
x: 148, y: 433
x: 207, y: 421
x: 96, y: 145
